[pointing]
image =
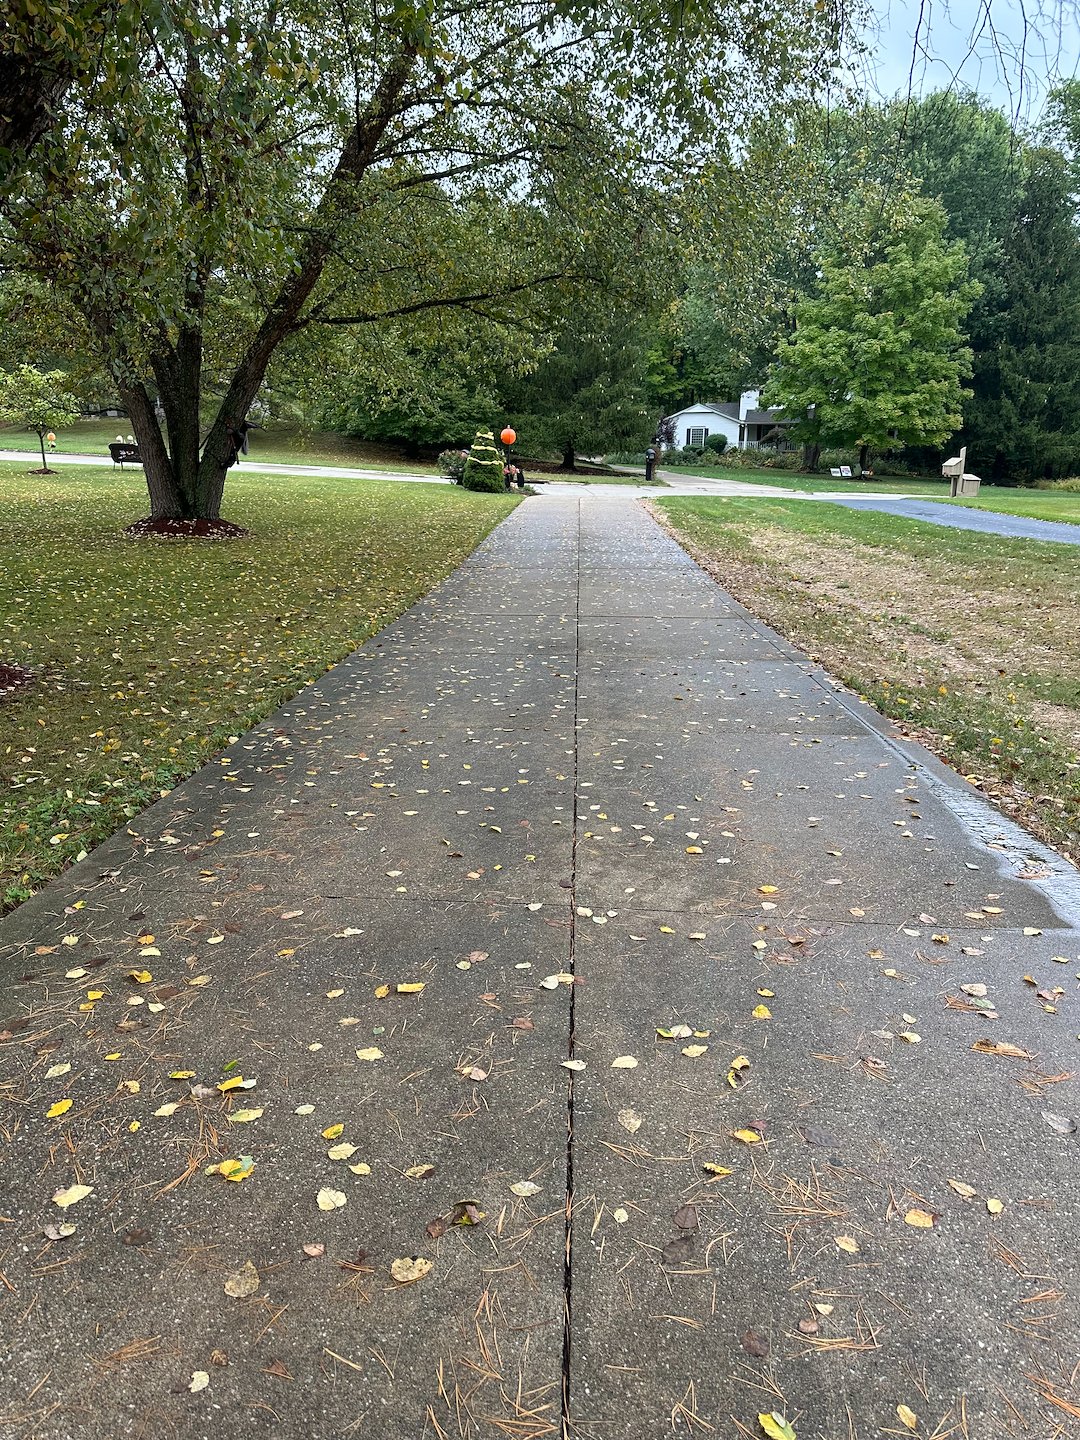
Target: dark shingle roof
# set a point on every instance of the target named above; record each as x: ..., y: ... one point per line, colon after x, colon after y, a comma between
x: 767, y: 417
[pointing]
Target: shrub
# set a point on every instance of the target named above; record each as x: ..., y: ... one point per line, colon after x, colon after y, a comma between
x: 759, y: 459
x: 717, y: 443
x: 688, y: 455
x: 452, y: 464
x: 484, y: 467
x: 627, y: 457
x: 830, y: 458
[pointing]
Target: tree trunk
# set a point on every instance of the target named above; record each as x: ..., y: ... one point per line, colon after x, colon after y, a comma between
x: 568, y: 458
x: 811, y: 455
x: 166, y: 500
x: 184, y: 484
x: 864, y: 456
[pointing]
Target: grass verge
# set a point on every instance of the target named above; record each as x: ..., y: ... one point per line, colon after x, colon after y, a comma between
x: 147, y: 655
x: 1035, y: 504
x: 971, y: 641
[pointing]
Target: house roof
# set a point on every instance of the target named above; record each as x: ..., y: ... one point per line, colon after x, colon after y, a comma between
x: 727, y: 408
x: 767, y: 417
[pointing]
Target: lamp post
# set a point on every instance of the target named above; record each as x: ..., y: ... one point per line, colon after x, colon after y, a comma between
x: 508, y: 437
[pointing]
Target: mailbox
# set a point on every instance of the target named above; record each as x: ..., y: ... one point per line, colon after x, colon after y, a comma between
x: 960, y: 482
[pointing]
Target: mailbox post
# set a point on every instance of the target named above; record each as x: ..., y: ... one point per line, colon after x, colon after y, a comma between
x: 960, y: 482
x: 650, y: 463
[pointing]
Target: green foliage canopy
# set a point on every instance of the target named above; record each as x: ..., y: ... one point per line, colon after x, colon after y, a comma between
x: 38, y: 399
x: 878, y: 349
x: 255, y: 176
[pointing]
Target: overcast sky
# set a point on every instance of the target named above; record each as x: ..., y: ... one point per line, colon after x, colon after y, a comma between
x: 1008, y: 50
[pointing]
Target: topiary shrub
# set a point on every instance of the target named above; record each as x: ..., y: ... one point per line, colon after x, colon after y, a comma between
x: 717, y: 443
x: 484, y: 467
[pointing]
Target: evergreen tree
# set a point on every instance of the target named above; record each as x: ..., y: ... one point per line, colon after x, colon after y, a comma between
x: 588, y: 396
x: 1027, y: 421
x: 484, y: 469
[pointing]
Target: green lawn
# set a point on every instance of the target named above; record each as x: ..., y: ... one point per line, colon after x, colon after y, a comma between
x: 276, y: 445
x: 971, y: 640
x: 1038, y: 504
x: 148, y: 654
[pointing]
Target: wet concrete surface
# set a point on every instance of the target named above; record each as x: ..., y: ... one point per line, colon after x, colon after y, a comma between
x: 581, y: 798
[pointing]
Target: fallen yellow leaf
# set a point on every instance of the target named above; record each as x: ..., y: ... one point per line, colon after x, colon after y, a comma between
x: 409, y: 1269
x: 921, y: 1219
x: 72, y: 1195
x: 775, y: 1426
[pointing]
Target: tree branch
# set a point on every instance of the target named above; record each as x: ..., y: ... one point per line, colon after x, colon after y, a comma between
x: 444, y: 302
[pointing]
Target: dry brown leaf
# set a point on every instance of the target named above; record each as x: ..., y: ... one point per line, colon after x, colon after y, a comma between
x: 410, y: 1268
x: 243, y: 1282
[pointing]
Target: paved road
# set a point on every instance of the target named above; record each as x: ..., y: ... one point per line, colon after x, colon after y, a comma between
x: 247, y: 466
x: 959, y: 517
x: 588, y: 803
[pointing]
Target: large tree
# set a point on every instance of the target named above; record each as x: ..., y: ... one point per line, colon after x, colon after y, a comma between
x: 275, y: 165
x: 588, y: 396
x: 1029, y: 421
x: 877, y: 354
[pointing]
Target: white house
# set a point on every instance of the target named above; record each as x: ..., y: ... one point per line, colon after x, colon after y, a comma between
x: 741, y: 421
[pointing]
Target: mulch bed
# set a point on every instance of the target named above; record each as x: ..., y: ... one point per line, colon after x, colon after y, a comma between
x: 13, y: 677
x: 186, y: 529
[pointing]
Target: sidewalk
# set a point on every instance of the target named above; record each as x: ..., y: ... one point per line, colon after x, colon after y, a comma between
x: 756, y: 857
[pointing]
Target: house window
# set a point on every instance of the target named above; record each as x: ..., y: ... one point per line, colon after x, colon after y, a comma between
x: 696, y: 435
